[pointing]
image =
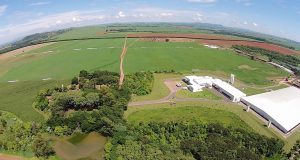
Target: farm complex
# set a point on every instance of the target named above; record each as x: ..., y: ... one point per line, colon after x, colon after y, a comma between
x: 135, y: 89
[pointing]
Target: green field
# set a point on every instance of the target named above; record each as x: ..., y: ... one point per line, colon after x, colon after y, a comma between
x: 61, y: 61
x: 186, y: 57
x: 18, y: 97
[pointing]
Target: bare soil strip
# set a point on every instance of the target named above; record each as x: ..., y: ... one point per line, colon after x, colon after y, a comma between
x: 121, y: 62
x: 8, y: 157
x: 23, y: 50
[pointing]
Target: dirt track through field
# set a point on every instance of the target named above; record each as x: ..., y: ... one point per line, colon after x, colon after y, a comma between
x: 8, y: 157
x: 121, y: 62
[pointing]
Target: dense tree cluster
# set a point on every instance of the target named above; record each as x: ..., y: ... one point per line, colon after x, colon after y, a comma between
x: 190, y: 141
x: 16, y: 135
x: 96, y: 105
x: 295, y: 152
x: 285, y: 60
x: 140, y: 83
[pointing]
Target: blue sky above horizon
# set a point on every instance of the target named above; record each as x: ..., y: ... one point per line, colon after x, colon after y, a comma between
x: 19, y: 18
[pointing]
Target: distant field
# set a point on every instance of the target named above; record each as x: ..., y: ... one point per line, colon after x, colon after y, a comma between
x: 17, y: 98
x: 186, y: 57
x: 63, y: 60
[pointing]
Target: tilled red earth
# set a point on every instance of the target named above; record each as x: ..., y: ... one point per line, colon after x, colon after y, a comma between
x: 218, y: 40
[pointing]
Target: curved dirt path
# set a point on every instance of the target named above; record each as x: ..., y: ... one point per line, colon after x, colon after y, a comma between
x: 121, y: 63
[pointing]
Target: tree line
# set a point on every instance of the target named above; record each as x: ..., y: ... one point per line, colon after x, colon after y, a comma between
x: 184, y: 140
x: 288, y: 61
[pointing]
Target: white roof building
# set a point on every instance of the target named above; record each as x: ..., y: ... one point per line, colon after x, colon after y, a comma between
x: 230, y: 91
x: 281, y: 107
x: 196, y: 83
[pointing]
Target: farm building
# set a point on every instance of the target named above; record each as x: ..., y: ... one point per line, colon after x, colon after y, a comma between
x: 281, y: 108
x: 197, y: 83
x: 228, y: 90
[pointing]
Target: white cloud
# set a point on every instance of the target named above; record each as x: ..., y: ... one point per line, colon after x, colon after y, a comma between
x: 245, y: 23
x: 121, y: 14
x: 255, y: 24
x: 39, y: 3
x: 245, y: 2
x: 202, y: 1
x: 2, y: 9
x: 166, y: 14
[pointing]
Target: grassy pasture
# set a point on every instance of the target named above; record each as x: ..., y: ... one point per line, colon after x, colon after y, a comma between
x: 18, y: 97
x: 186, y: 57
x: 63, y: 60
x: 207, y: 112
x: 206, y: 94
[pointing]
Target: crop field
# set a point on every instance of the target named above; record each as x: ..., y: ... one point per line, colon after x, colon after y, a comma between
x: 186, y: 57
x: 18, y: 97
x: 63, y: 60
x: 219, y: 40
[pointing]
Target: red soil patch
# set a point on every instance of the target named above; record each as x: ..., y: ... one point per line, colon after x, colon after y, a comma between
x: 218, y: 40
x: 184, y: 27
x: 166, y: 40
x: 100, y: 33
x: 8, y: 157
x: 191, y: 36
x: 267, y: 46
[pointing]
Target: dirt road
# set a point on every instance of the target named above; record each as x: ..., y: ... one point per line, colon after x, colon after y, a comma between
x: 8, y: 157
x: 121, y: 62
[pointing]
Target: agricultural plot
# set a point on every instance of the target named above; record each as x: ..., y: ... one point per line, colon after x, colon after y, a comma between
x: 188, y: 57
x: 63, y: 60
x: 18, y: 97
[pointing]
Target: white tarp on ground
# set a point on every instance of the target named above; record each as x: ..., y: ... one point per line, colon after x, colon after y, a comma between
x: 282, y: 107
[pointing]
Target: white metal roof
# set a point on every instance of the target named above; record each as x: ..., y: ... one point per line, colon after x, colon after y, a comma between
x: 229, y: 88
x: 282, y: 105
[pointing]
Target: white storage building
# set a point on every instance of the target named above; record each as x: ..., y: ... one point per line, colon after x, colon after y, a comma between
x: 228, y: 90
x: 281, y: 108
x: 197, y: 83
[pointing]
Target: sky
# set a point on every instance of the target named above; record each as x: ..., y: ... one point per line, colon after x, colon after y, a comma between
x: 19, y: 18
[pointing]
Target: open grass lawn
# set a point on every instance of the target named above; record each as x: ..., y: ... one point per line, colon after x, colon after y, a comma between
x: 206, y: 94
x: 17, y: 98
x: 207, y: 112
x: 190, y: 114
x: 159, y: 90
x: 63, y: 60
x: 186, y: 57
x: 81, y: 146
